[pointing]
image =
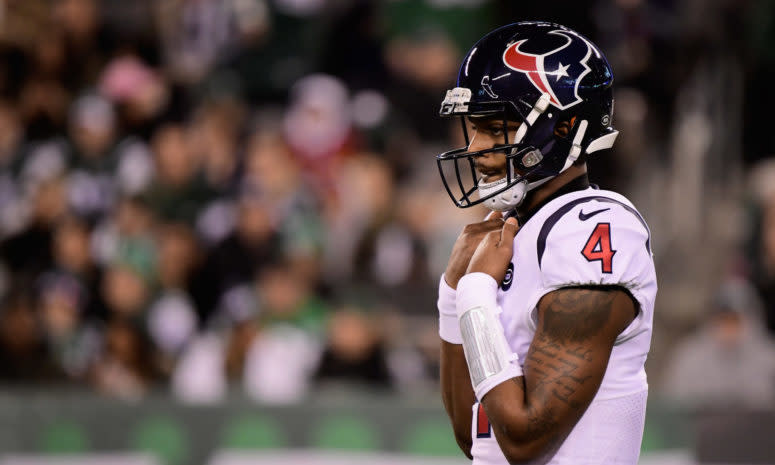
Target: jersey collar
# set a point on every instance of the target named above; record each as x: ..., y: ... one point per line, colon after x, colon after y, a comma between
x: 578, y: 183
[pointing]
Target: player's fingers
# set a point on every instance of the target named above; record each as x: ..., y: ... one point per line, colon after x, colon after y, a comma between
x: 494, y: 223
x: 491, y: 239
x: 494, y: 215
x: 508, y: 232
x: 488, y: 225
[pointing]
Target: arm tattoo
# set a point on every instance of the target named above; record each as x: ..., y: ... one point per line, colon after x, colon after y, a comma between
x: 557, y: 364
x: 540, y: 422
x: 574, y: 315
x: 554, y: 368
x: 565, y: 364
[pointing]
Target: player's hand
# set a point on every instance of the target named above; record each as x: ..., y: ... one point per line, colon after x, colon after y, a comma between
x: 466, y: 245
x: 495, y: 251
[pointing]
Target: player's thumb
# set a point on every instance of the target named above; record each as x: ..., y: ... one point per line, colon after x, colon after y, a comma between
x: 510, y: 228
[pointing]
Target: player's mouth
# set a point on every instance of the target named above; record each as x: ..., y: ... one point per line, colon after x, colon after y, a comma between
x: 490, y: 167
x: 491, y: 177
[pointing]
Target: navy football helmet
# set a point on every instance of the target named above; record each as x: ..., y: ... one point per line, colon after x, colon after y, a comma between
x: 538, y: 74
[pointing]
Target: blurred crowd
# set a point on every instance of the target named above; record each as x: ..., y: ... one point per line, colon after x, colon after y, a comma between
x: 208, y: 195
x: 187, y: 200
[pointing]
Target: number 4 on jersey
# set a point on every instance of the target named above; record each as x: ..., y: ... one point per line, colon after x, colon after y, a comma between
x: 598, y: 247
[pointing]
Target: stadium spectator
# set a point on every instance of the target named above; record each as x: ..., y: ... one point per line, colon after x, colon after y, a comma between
x: 280, y: 360
x: 177, y: 192
x: 124, y: 367
x: 733, y: 342
x: 172, y: 317
x: 24, y: 355
x: 354, y: 352
x: 28, y: 252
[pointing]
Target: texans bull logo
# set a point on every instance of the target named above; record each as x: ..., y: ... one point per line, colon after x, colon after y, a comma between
x: 557, y: 72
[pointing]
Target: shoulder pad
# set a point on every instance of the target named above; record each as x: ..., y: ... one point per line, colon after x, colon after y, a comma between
x: 593, y: 240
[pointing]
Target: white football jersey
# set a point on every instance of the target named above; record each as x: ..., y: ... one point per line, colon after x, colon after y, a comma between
x: 586, y: 237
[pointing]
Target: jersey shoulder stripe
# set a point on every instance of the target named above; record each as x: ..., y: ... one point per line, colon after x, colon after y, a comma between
x: 555, y: 217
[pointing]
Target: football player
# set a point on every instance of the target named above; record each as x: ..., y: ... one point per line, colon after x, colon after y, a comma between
x: 546, y: 307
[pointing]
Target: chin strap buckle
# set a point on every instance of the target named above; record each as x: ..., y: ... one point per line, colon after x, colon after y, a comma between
x: 532, y: 158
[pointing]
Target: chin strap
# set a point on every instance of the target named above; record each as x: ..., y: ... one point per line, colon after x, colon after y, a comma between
x: 573, y: 155
x: 507, y: 199
x: 539, y: 183
x: 576, y: 148
x: 602, y: 142
x: 540, y: 106
x: 513, y: 196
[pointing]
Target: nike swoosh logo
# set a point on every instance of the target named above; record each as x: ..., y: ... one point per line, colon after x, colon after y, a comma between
x: 585, y: 216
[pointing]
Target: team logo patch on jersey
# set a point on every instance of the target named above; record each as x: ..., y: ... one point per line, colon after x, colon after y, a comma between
x: 556, y: 72
x: 508, y: 278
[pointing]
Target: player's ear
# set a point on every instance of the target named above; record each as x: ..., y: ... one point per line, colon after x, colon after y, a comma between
x: 563, y: 128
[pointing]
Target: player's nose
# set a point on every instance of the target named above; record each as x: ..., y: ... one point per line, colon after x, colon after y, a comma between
x: 480, y: 142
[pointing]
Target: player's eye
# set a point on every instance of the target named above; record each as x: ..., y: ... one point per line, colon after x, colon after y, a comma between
x: 496, y: 130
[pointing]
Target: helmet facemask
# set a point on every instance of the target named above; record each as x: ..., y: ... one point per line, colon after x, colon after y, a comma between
x: 534, y: 155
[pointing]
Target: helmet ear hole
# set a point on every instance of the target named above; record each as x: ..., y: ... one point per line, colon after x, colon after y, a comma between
x: 563, y: 128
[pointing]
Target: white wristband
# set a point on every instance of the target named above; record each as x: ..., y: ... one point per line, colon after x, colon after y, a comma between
x: 475, y: 290
x: 488, y: 355
x: 449, y: 328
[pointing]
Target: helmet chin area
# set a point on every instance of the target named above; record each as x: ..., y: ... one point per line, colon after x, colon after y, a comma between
x: 501, y: 197
x: 465, y: 184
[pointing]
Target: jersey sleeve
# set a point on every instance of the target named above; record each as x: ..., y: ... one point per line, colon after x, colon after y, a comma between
x: 595, y: 244
x: 599, y: 243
